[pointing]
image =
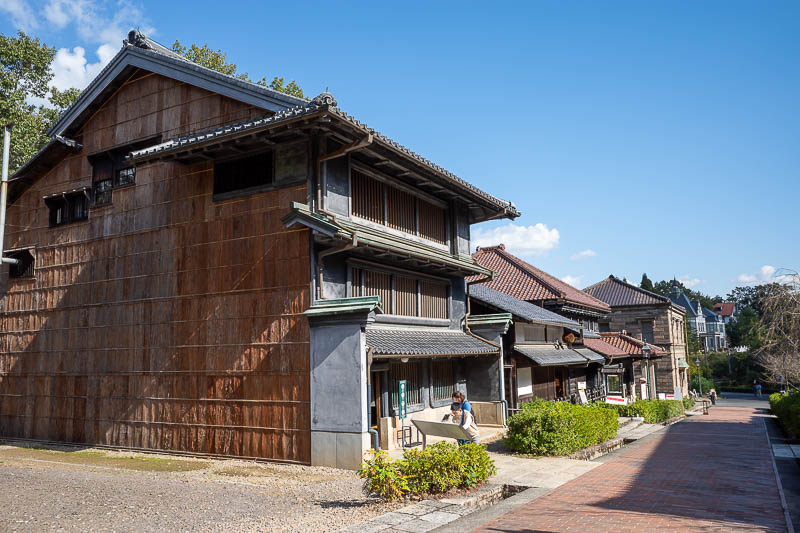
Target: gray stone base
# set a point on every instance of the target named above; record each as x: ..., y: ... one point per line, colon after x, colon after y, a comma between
x: 339, y: 450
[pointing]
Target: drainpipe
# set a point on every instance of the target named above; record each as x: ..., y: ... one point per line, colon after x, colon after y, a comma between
x: 4, y: 192
x: 376, y: 445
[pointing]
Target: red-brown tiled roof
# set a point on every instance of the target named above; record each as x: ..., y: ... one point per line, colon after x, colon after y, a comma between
x: 618, y: 293
x: 628, y: 344
x: 519, y: 279
x: 603, y: 348
x: 724, y: 308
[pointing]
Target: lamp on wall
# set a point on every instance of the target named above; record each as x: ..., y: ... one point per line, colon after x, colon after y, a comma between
x: 404, y: 359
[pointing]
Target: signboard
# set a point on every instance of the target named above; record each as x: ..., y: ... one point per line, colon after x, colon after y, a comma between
x: 401, y: 401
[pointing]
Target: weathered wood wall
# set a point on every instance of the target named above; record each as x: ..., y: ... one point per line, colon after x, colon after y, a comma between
x: 166, y: 321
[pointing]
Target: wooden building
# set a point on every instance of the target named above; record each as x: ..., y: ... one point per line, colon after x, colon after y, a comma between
x: 217, y: 268
x: 539, y: 359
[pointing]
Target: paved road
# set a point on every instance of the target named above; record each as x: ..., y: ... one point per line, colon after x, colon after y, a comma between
x: 710, y: 473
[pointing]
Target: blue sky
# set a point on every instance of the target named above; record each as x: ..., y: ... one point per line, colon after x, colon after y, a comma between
x: 657, y: 137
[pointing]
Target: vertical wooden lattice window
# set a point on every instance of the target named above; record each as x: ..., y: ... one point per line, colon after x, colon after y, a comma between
x: 367, y: 196
x: 355, y: 281
x: 405, y: 296
x: 379, y: 283
x: 411, y: 373
x: 443, y: 378
x: 432, y: 222
x: 433, y: 299
x: 401, y: 210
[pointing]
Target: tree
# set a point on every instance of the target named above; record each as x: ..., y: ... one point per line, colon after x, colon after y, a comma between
x: 752, y: 296
x: 744, y: 331
x: 664, y: 287
x: 26, y: 74
x: 646, y: 284
x: 217, y: 60
x: 780, y: 324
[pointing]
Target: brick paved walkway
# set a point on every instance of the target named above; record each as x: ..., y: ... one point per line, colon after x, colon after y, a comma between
x: 710, y: 473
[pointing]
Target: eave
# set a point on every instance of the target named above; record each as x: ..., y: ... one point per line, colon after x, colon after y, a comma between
x: 374, y: 243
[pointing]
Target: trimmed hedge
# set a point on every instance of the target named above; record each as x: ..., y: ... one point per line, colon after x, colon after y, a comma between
x: 688, y: 403
x: 787, y: 408
x: 653, y: 411
x: 559, y: 428
x: 434, y: 470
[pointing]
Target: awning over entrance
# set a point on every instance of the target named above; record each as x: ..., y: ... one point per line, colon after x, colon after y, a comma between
x: 590, y: 355
x: 393, y: 343
x: 550, y: 354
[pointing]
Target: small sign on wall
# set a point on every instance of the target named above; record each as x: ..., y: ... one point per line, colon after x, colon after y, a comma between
x: 401, y: 390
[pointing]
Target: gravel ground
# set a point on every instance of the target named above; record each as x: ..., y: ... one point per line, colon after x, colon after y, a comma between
x: 96, y: 490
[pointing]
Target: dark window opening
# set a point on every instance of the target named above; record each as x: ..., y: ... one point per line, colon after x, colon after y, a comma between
x: 68, y: 208
x: 24, y: 266
x: 110, y: 170
x: 443, y: 377
x: 244, y: 174
x: 126, y: 176
x: 102, y: 192
x: 411, y: 373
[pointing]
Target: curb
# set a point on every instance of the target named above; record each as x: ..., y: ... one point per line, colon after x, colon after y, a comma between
x: 784, y: 505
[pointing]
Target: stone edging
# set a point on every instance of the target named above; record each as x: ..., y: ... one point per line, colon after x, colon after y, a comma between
x: 784, y: 505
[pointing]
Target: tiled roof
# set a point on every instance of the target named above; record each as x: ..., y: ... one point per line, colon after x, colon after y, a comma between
x: 708, y: 313
x: 603, y: 348
x: 324, y: 103
x: 519, y: 308
x: 628, y: 344
x: 617, y: 293
x: 724, y: 308
x: 401, y: 342
x: 550, y: 354
x: 591, y: 356
x: 515, y: 277
x: 683, y: 301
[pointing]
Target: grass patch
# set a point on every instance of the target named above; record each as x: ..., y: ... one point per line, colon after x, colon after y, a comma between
x: 103, y: 459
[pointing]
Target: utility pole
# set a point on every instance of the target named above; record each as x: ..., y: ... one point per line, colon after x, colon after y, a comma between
x: 4, y: 191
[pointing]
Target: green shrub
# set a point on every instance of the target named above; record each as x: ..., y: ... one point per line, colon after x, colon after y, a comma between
x: 383, y: 476
x: 434, y: 470
x: 787, y: 408
x: 696, y: 381
x: 653, y: 411
x: 688, y: 403
x: 559, y: 428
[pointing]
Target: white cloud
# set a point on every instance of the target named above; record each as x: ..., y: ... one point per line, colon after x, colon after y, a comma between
x: 22, y: 15
x: 96, y: 23
x: 71, y: 68
x: 520, y: 240
x: 585, y: 254
x: 689, y: 281
x: 765, y: 274
x: 572, y: 280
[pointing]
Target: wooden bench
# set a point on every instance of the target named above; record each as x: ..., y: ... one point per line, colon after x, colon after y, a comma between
x: 447, y: 430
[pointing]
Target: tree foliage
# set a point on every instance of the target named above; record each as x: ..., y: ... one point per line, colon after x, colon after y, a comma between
x: 217, y: 60
x: 646, y: 284
x: 745, y: 330
x: 665, y: 286
x: 780, y: 327
x: 26, y: 74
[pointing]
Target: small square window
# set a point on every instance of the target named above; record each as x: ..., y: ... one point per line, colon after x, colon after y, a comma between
x: 23, y: 268
x: 126, y: 176
x: 68, y: 208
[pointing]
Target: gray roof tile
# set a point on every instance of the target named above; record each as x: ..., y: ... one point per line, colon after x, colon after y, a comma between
x: 520, y: 308
x: 550, y: 354
x: 425, y: 342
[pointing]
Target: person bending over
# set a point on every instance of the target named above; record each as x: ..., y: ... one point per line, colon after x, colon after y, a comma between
x: 463, y: 418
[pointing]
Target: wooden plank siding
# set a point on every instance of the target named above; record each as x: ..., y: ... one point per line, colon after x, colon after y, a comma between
x: 166, y: 321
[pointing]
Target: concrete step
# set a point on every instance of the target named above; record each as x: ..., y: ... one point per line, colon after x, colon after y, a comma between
x: 641, y: 431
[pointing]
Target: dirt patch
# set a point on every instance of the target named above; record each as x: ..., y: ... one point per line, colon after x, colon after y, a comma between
x: 102, y: 459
